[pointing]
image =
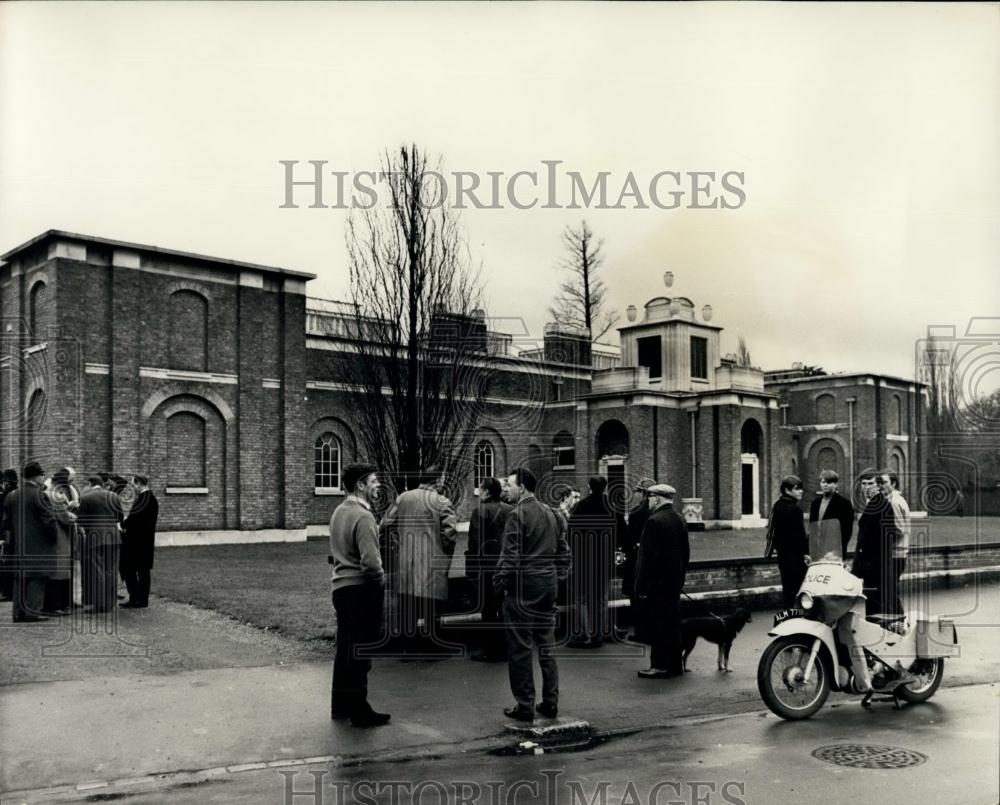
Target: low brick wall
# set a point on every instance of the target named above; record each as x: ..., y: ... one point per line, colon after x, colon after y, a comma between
x: 756, y: 583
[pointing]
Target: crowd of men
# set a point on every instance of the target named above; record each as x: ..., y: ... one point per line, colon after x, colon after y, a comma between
x: 64, y: 545
x: 883, y: 540
x: 520, y: 550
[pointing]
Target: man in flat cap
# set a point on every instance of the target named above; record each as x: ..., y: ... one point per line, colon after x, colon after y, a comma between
x: 664, y: 553
x: 358, y: 583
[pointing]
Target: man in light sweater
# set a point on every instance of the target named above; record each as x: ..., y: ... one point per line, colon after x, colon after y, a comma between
x: 888, y: 484
x: 358, y: 582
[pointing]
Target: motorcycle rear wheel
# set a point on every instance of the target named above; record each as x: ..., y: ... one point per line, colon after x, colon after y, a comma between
x: 930, y: 673
x: 784, y: 694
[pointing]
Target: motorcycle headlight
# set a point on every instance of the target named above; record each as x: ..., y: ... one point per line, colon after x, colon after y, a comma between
x: 806, y: 601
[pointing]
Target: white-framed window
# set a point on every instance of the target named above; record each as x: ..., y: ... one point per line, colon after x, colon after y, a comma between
x: 564, y: 451
x: 326, y: 456
x: 485, y: 461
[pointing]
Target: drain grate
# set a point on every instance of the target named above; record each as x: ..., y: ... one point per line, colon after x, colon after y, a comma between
x: 868, y: 756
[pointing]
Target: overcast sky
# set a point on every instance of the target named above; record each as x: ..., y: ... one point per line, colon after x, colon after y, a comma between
x: 866, y: 135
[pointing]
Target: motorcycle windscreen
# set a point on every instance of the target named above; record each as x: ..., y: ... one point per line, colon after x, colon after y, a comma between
x: 825, y: 543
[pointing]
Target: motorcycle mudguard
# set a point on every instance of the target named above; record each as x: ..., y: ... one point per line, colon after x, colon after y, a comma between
x: 814, y: 629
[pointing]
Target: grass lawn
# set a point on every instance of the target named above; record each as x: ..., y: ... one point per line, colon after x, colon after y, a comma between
x: 286, y: 586
x: 282, y: 586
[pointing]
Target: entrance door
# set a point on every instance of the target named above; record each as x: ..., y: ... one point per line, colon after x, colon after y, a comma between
x: 614, y: 468
x: 750, y: 485
x: 747, y: 507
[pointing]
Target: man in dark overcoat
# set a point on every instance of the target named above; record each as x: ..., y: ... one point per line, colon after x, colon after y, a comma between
x: 486, y: 526
x: 594, y: 534
x: 664, y: 554
x: 630, y: 547
x: 7, y: 485
x: 99, y: 516
x: 533, y: 557
x: 33, y: 523
x: 138, y: 542
x: 786, y: 534
x: 878, y: 535
x: 831, y: 505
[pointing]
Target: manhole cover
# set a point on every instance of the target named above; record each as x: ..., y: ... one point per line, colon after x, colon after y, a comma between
x: 867, y: 756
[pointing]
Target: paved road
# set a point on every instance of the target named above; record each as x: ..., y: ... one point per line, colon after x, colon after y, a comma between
x: 753, y: 758
x: 207, y: 725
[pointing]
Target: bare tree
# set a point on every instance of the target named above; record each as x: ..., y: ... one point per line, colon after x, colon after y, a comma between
x: 743, y: 354
x: 938, y: 368
x: 580, y: 299
x: 418, y: 332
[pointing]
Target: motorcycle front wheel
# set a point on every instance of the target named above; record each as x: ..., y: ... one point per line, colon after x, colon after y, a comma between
x: 781, y: 678
x: 929, y: 674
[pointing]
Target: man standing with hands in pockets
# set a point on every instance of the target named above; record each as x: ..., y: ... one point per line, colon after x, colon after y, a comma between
x: 358, y: 583
x: 533, y: 557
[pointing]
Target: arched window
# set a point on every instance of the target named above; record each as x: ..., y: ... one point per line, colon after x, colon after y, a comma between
x: 826, y: 459
x: 564, y: 450
x: 898, y: 465
x: 484, y: 462
x: 751, y: 438
x: 825, y: 408
x: 327, y: 463
x: 37, y: 405
x: 37, y: 310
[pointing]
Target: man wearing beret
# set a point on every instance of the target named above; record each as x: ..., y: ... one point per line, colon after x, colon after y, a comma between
x: 358, y: 583
x: 664, y: 553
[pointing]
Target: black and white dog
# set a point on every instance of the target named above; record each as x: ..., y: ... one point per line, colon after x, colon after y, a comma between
x: 718, y: 629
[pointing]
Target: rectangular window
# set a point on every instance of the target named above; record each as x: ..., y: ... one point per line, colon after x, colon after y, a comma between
x: 650, y: 355
x: 699, y: 357
x: 565, y: 457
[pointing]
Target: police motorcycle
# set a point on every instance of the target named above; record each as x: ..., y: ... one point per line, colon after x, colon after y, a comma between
x: 827, y: 643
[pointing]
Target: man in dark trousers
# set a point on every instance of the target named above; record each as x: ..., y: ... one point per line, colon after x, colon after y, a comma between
x: 594, y: 533
x: 32, y: 521
x: 533, y: 557
x: 99, y: 516
x: 830, y: 505
x: 664, y: 554
x: 138, y: 542
x: 7, y: 485
x: 633, y: 534
x: 878, y: 535
x: 786, y: 534
x: 485, y: 538
x: 358, y: 583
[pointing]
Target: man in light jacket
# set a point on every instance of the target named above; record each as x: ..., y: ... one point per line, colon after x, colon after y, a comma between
x: 422, y: 526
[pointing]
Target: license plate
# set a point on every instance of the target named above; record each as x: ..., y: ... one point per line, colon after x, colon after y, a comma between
x: 786, y: 614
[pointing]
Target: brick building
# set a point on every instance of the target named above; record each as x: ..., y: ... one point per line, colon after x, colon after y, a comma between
x: 224, y: 383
